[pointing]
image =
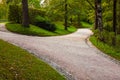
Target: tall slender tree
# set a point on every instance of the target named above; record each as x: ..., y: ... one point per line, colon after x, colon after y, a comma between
x: 114, y: 16
x: 118, y: 16
x: 25, y: 21
x: 96, y: 17
x: 66, y: 15
x: 114, y: 21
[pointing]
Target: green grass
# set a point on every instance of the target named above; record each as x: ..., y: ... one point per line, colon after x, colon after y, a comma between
x: 18, y: 64
x: 34, y: 30
x: 109, y: 50
x: 86, y: 25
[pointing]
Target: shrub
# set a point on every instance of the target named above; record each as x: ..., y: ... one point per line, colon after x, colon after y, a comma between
x: 14, y: 14
x: 108, y: 37
x: 33, y: 13
x: 44, y: 23
x: 108, y: 26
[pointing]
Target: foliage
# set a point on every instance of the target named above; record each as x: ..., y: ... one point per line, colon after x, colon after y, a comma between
x: 76, y: 13
x: 109, y: 50
x: 14, y: 14
x: 33, y: 13
x: 86, y: 25
x: 44, y: 23
x: 106, y: 35
x: 37, y: 31
x: 3, y: 10
x: 18, y: 64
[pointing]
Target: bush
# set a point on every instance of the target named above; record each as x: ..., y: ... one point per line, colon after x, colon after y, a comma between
x: 33, y: 13
x: 107, y: 37
x: 44, y: 23
x: 14, y: 14
x: 108, y: 26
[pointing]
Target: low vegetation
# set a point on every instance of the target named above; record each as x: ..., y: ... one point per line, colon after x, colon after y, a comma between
x: 86, y: 25
x: 37, y: 31
x: 18, y: 64
x: 108, y: 49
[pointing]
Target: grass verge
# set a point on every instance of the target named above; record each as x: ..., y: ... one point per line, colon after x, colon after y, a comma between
x: 18, y: 64
x: 34, y: 30
x: 86, y: 25
x: 109, y: 50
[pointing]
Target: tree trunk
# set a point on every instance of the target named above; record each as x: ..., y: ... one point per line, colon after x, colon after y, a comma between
x: 66, y: 15
x: 114, y: 21
x: 118, y: 16
x: 114, y: 16
x: 99, y: 19
x: 78, y: 16
x: 96, y: 18
x: 25, y: 21
x: 99, y: 15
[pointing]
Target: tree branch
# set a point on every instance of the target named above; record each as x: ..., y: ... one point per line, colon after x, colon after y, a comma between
x: 90, y: 4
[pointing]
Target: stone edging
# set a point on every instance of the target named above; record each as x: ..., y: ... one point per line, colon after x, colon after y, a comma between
x: 89, y: 43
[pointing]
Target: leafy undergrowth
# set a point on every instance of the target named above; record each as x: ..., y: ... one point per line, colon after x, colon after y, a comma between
x: 3, y: 20
x: 109, y: 50
x: 37, y: 31
x: 18, y: 64
x: 86, y: 25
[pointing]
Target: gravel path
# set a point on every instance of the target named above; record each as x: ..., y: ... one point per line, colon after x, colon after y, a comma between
x: 69, y: 54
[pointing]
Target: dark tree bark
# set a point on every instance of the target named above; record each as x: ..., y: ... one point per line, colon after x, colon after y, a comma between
x: 96, y: 18
x: 114, y: 21
x: 114, y: 16
x: 118, y: 16
x: 66, y: 15
x: 25, y: 21
x: 99, y: 19
x: 99, y: 15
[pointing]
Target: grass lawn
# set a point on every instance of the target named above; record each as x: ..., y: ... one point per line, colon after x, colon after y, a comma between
x: 86, y: 25
x: 34, y: 30
x: 109, y: 50
x: 18, y: 64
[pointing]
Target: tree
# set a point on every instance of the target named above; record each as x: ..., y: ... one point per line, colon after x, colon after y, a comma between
x: 66, y: 15
x: 114, y: 16
x: 25, y: 21
x: 118, y: 19
x: 96, y: 17
x: 114, y: 21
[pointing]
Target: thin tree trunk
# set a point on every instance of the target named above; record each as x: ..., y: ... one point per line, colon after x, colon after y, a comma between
x: 25, y: 21
x: 114, y: 16
x: 114, y: 21
x: 118, y: 16
x: 78, y: 15
x: 96, y: 18
x: 66, y: 15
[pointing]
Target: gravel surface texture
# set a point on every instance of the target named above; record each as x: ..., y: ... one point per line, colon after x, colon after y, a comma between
x: 70, y: 54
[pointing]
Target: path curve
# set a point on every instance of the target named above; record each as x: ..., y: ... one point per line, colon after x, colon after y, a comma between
x: 70, y: 52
